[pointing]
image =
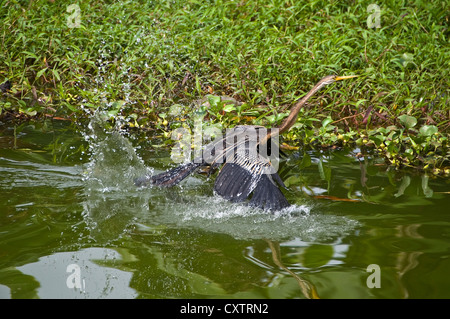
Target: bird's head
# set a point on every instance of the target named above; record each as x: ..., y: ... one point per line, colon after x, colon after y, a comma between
x: 290, y: 120
x: 333, y: 78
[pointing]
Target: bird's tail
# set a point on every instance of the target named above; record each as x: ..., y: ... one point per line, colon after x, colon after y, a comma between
x: 236, y: 183
x: 169, y: 178
x: 267, y: 195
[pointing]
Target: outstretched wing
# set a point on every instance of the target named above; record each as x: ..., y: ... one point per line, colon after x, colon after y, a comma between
x: 236, y: 183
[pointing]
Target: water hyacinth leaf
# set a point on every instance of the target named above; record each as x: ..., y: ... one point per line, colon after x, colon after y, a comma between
x: 327, y: 121
x: 29, y: 111
x: 229, y: 108
x: 378, y: 139
x: 213, y: 100
x: 270, y: 119
x: 241, y: 107
x: 22, y: 103
x: 407, y: 121
x: 428, y: 130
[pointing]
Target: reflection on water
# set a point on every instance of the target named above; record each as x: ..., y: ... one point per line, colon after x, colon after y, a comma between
x: 87, y: 273
x: 69, y: 199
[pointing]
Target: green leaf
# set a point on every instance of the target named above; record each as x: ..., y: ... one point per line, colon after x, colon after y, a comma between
x: 30, y: 55
x: 30, y: 112
x: 378, y: 139
x: 71, y: 107
x: 39, y: 74
x: 22, y: 103
x: 281, y: 116
x: 408, y: 121
x: 327, y: 121
x: 213, y: 100
x: 324, y: 171
x: 428, y: 130
x: 270, y: 118
x: 360, y: 101
x: 241, y: 107
x: 56, y: 74
x: 229, y: 108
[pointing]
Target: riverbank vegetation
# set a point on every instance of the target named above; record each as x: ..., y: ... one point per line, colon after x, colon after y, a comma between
x: 150, y: 65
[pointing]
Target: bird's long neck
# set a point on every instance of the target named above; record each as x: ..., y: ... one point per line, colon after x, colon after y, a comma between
x: 293, y: 115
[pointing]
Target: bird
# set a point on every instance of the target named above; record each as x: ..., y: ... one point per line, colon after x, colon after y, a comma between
x: 246, y: 156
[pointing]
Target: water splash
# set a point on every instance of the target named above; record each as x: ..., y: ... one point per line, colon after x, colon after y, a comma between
x: 212, y: 213
x: 110, y: 194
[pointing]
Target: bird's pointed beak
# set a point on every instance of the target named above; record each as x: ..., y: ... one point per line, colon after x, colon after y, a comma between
x: 338, y: 78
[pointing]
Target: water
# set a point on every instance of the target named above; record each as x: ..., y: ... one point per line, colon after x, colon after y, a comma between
x: 73, y: 225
